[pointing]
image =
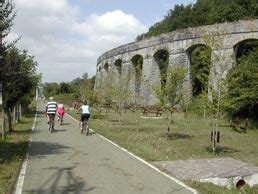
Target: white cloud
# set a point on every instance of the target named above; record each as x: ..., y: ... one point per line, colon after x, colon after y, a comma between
x: 64, y: 47
x: 115, y: 22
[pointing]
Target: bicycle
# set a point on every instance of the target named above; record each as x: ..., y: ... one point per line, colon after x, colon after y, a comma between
x: 51, y: 123
x: 60, y: 119
x: 85, y: 127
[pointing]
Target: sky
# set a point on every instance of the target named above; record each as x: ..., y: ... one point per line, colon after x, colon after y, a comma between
x: 67, y: 36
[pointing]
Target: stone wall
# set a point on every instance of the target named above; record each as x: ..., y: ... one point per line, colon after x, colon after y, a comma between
x: 221, y: 38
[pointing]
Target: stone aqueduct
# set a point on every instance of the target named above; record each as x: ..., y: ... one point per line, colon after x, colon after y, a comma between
x: 178, y: 45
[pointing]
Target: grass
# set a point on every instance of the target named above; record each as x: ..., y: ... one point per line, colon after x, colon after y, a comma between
x: 209, y: 188
x: 188, y: 139
x: 12, y: 152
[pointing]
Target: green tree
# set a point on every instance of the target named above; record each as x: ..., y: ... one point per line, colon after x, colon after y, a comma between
x: 200, y: 68
x: 51, y: 89
x: 203, y: 12
x: 6, y: 21
x: 65, y: 88
x: 172, y: 94
x: 20, y: 78
x: 242, y: 84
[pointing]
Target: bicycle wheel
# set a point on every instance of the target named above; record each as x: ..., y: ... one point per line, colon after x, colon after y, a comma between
x: 86, y: 128
x: 51, y: 123
x: 60, y: 119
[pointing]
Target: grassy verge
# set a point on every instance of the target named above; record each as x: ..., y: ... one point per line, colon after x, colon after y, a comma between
x: 209, y: 188
x: 188, y: 139
x: 12, y: 152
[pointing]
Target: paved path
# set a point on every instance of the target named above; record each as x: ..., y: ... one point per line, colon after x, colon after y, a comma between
x: 68, y: 162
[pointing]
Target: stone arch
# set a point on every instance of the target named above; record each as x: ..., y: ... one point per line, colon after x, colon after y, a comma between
x: 118, y: 65
x: 162, y: 59
x: 200, y: 64
x: 244, y: 47
x: 137, y: 61
x: 106, y: 66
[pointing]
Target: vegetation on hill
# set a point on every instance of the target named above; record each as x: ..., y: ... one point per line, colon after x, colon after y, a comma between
x: 79, y: 89
x: 204, y: 12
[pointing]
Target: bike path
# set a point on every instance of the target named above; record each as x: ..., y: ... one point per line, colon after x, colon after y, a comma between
x: 68, y: 162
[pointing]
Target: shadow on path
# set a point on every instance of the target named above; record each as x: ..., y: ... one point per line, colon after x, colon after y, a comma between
x: 10, y: 150
x: 45, y: 148
x: 72, y: 184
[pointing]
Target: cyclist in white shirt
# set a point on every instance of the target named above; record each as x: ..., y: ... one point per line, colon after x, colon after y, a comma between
x: 85, y: 112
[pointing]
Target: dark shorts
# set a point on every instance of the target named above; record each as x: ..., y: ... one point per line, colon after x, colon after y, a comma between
x: 85, y: 116
x: 51, y: 115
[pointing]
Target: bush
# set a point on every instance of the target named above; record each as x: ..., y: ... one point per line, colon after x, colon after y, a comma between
x: 200, y: 106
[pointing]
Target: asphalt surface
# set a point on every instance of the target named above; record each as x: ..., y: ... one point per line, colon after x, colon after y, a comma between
x: 66, y: 161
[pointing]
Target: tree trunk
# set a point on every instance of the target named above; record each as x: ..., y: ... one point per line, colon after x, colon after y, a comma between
x: 14, y: 113
x: 3, y: 126
x: 9, y: 121
x: 169, y: 123
x: 136, y: 117
x: 20, y: 112
x: 120, y: 113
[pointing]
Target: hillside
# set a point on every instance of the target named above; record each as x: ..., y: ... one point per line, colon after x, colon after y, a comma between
x: 203, y: 12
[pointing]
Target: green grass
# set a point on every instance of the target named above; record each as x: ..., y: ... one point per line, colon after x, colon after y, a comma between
x: 209, y: 188
x: 12, y: 152
x: 188, y: 139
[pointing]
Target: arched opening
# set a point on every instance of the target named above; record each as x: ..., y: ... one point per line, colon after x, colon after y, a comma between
x: 242, y: 81
x: 245, y: 47
x: 100, y: 77
x: 200, y: 61
x: 162, y: 58
x: 106, y: 67
x: 137, y: 62
x: 118, y: 65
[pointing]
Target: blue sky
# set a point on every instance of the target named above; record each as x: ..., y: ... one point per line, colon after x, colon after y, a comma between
x: 67, y: 36
x: 148, y: 11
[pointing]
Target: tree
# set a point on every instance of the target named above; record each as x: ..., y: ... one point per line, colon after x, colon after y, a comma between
x: 200, y: 68
x: 6, y: 21
x: 171, y: 95
x: 65, y: 88
x: 242, y: 87
x: 51, y: 89
x: 203, y: 12
x: 120, y: 93
x: 216, y: 89
x: 86, y: 91
x: 20, y: 78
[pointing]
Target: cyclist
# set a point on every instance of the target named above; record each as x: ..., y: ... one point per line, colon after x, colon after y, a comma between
x: 85, y: 112
x: 60, y: 110
x: 51, y: 109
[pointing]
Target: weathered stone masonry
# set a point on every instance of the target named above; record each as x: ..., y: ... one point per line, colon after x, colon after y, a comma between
x: 179, y: 45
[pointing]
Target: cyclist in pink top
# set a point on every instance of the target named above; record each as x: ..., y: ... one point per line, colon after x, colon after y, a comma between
x: 60, y: 111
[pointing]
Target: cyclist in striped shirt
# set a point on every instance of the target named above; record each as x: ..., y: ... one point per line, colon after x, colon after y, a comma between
x: 51, y: 108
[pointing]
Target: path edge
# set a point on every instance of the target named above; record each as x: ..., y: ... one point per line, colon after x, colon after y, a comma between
x: 21, y: 177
